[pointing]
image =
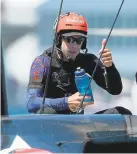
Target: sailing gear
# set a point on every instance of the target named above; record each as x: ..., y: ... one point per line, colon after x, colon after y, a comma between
x: 62, y: 80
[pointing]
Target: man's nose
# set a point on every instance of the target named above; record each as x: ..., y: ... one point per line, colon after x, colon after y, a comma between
x: 74, y: 44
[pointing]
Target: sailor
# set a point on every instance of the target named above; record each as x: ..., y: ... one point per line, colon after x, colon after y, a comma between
x: 62, y: 96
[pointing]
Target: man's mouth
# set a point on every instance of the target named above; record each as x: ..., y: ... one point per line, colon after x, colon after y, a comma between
x: 72, y: 52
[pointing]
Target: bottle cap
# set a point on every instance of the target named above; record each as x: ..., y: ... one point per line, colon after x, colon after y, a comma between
x: 79, y: 72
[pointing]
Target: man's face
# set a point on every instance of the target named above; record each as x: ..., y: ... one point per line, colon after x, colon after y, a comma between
x: 71, y: 46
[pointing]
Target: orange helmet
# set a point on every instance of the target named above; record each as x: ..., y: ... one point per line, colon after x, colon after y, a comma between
x: 73, y: 23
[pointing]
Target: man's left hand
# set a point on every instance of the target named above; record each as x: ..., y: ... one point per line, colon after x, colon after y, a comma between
x: 106, y: 57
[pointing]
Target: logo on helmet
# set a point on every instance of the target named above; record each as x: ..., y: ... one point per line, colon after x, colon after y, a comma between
x: 75, y: 21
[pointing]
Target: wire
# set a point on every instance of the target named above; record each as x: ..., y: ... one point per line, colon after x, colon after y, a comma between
x: 81, y: 104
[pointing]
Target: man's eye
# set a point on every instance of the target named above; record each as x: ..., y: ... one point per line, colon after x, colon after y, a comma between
x: 70, y: 40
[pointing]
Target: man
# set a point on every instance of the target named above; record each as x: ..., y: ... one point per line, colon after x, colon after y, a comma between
x: 62, y: 96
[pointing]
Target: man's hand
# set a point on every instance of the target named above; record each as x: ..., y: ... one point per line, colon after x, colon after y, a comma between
x: 106, y: 57
x: 75, y: 100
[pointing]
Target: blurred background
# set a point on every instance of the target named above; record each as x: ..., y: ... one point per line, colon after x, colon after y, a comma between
x: 27, y: 30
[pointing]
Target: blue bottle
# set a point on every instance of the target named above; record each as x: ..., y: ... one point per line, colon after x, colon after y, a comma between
x: 82, y: 81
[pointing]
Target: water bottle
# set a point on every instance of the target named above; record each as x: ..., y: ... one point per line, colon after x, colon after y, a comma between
x: 82, y: 82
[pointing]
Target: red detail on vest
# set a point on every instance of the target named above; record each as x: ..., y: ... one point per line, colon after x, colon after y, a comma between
x: 37, y: 60
x: 36, y: 77
x: 36, y: 72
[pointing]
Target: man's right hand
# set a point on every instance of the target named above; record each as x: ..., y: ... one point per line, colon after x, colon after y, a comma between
x: 75, y: 100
